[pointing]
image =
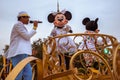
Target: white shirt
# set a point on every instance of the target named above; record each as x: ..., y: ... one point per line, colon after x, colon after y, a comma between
x: 20, y: 40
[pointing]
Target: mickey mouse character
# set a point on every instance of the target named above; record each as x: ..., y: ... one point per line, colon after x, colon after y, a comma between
x: 88, y: 41
x: 91, y: 28
x: 60, y: 19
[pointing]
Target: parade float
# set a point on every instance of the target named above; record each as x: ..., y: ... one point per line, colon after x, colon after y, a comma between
x: 51, y: 67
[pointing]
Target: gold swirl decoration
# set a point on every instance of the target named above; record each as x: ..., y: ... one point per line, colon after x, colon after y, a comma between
x: 21, y: 65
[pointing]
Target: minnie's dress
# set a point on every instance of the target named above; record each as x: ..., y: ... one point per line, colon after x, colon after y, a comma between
x: 65, y: 44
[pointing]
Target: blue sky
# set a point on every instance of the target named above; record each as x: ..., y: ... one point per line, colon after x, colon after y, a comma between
x: 106, y: 10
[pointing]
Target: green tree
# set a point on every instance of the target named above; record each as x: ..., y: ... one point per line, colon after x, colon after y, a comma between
x: 1, y: 58
x: 37, y: 48
x: 6, y: 48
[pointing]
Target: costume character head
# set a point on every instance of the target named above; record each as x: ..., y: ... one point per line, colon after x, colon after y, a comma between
x: 90, y: 25
x: 59, y: 19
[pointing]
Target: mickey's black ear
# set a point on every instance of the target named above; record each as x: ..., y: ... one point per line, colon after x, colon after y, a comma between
x: 96, y: 20
x: 68, y: 15
x: 51, y: 18
x: 85, y: 20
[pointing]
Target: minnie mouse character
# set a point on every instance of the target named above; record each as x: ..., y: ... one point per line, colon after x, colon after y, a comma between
x: 60, y: 19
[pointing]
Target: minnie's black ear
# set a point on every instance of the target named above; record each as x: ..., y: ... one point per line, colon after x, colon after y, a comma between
x: 85, y: 20
x: 51, y: 18
x: 68, y: 15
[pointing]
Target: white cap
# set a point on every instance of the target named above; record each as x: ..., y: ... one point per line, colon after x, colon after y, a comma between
x: 23, y: 13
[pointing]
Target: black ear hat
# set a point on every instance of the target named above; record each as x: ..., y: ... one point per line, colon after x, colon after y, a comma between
x: 92, y: 25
